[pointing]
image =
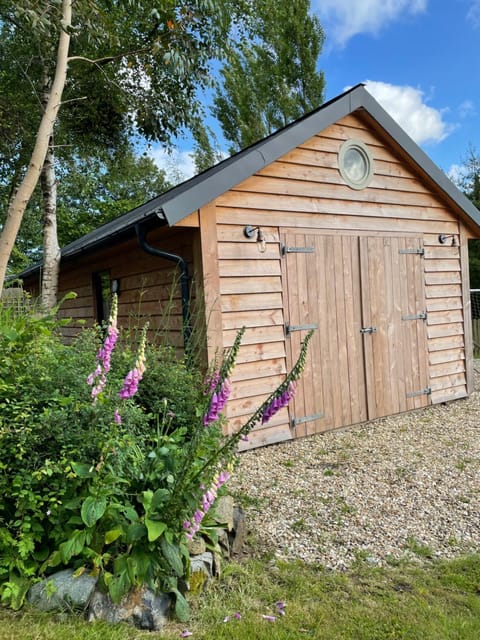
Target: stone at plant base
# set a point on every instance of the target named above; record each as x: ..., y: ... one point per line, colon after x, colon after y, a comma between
x: 239, y: 533
x: 62, y: 591
x: 201, y: 571
x: 224, y: 511
x: 141, y: 608
x: 196, y: 546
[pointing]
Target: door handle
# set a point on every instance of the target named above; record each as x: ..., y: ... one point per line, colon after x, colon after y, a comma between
x: 368, y: 330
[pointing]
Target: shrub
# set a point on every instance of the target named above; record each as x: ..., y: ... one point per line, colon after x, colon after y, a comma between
x: 112, y: 476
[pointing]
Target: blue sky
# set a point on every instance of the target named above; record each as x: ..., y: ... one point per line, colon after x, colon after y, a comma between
x: 419, y: 59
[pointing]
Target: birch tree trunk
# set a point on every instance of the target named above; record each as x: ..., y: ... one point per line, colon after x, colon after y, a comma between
x: 51, y: 248
x: 19, y: 202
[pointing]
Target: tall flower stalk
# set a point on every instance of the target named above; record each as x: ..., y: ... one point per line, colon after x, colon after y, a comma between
x: 225, y: 455
x: 133, y: 377
x: 98, y: 378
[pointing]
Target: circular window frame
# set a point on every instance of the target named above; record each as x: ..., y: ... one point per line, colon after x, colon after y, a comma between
x: 362, y: 149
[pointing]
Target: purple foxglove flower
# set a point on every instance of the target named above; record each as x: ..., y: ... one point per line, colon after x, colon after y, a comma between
x: 117, y: 417
x: 269, y: 618
x: 237, y: 616
x: 98, y: 379
x: 186, y: 634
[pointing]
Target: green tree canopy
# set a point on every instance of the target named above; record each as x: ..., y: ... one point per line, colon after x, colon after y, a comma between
x: 89, y: 73
x: 270, y: 77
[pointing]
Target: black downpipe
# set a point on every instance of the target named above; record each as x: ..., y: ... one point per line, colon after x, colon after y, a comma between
x: 184, y: 279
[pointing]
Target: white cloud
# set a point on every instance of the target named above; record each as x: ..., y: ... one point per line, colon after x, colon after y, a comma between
x: 343, y: 19
x: 456, y: 173
x: 474, y: 13
x: 407, y: 105
x: 466, y: 109
x: 178, y: 165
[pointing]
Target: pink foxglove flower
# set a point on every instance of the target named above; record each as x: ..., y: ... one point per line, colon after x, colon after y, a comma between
x: 217, y: 402
x: 207, y: 501
x: 133, y: 377
x: 279, y: 402
x: 98, y: 379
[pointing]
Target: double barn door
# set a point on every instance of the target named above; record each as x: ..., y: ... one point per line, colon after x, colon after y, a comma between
x: 368, y: 357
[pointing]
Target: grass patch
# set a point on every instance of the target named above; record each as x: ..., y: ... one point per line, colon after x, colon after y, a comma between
x: 436, y: 601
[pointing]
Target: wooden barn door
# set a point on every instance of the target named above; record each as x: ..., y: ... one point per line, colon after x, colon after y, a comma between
x: 368, y: 356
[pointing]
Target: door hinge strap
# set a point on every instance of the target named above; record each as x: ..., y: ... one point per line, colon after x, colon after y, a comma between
x: 289, y: 328
x: 416, y: 316
x: 419, y: 252
x: 422, y: 392
x: 315, y: 416
x: 286, y: 250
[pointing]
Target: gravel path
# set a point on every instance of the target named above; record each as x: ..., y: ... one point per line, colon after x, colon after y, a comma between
x: 403, y: 486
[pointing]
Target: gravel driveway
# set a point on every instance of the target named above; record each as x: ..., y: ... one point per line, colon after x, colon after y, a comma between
x: 403, y: 486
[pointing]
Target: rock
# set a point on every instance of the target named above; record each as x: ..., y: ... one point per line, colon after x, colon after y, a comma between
x: 239, y: 533
x: 223, y: 542
x: 62, y: 591
x: 141, y: 608
x: 224, y: 512
x: 196, y: 546
x: 201, y: 571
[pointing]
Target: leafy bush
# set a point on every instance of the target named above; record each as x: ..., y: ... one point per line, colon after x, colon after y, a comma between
x: 114, y: 476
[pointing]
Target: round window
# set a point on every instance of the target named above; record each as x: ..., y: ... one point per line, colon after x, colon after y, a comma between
x: 355, y: 164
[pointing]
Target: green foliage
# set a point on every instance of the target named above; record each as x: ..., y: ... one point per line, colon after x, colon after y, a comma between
x: 436, y: 600
x: 101, y: 481
x: 270, y: 76
x: 469, y: 183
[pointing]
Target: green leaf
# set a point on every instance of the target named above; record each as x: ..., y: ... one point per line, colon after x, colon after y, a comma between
x: 172, y: 555
x: 92, y: 510
x: 154, y: 529
x: 136, y: 531
x: 182, y: 608
x: 119, y: 585
x: 146, y: 499
x: 159, y: 498
x: 113, y: 534
x: 82, y: 470
x: 73, y: 546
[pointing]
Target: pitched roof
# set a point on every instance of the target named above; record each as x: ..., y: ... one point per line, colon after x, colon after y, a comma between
x: 177, y: 203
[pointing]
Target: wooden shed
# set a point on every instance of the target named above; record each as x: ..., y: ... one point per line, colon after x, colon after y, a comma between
x: 340, y: 222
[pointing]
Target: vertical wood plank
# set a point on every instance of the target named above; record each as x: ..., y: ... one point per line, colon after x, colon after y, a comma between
x: 467, y: 311
x: 211, y: 280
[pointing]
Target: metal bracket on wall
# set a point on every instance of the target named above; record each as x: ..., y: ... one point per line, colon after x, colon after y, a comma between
x: 416, y: 316
x: 419, y: 252
x: 422, y: 392
x: 286, y: 250
x: 315, y: 416
x: 289, y: 328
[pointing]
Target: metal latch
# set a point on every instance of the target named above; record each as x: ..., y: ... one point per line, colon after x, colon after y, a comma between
x: 368, y: 330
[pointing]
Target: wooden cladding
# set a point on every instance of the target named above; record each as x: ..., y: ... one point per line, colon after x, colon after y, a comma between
x: 357, y: 277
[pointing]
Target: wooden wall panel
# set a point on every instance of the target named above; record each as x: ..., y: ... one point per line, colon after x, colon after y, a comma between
x: 303, y: 192
x: 149, y: 286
